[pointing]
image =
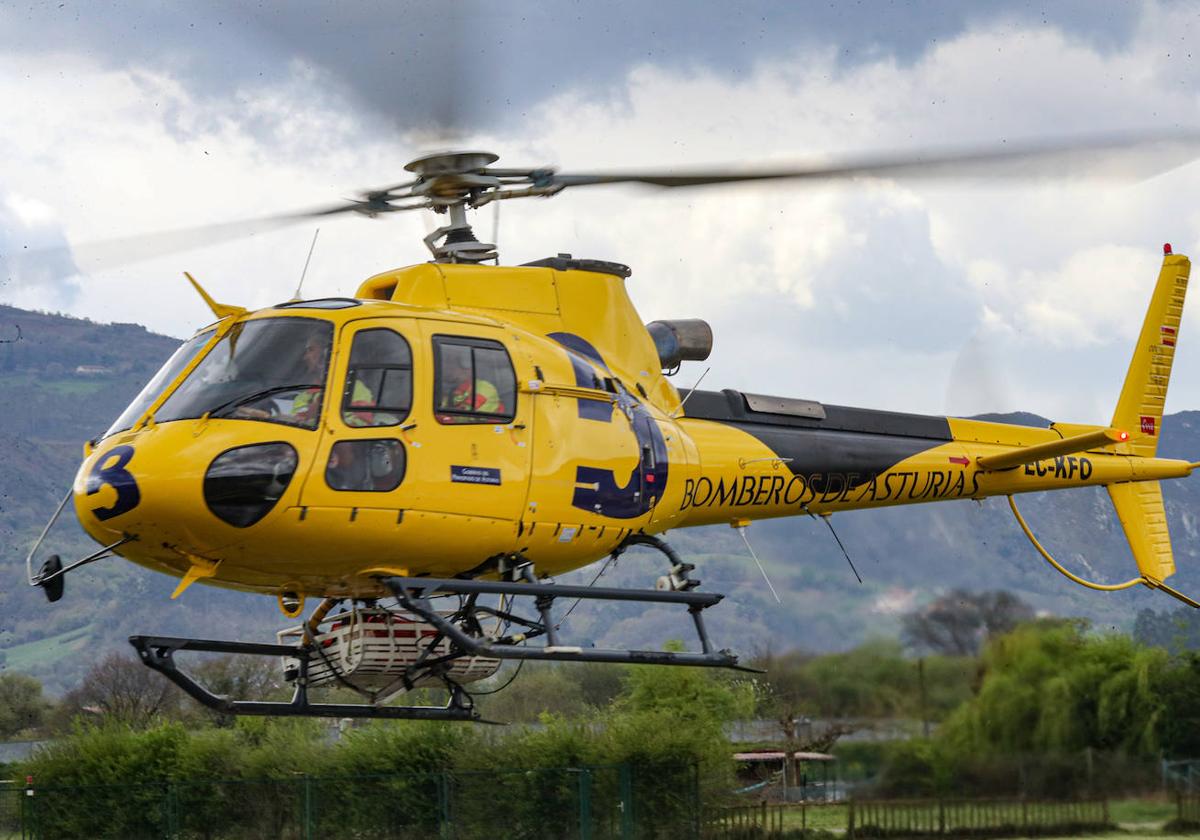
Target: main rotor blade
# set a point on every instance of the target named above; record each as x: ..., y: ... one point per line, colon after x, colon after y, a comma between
x: 113, y: 253
x: 1123, y: 156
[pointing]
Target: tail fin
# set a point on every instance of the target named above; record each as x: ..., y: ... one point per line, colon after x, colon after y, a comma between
x: 1140, y: 508
x: 1139, y: 504
x: 1140, y: 406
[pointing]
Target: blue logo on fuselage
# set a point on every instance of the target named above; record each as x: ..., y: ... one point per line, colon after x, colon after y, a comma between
x: 601, y: 493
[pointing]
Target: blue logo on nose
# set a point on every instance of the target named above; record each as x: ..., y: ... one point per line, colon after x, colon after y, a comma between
x: 110, y: 469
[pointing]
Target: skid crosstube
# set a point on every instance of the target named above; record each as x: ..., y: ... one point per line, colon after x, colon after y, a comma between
x: 158, y: 652
x: 414, y: 593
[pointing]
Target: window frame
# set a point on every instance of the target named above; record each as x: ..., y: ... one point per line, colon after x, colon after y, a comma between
x: 347, y: 410
x: 470, y: 418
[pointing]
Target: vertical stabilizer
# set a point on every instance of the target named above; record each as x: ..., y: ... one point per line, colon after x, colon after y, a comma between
x: 1140, y: 406
x: 1139, y: 506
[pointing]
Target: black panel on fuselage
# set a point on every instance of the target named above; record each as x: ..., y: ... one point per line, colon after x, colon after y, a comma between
x: 849, y: 441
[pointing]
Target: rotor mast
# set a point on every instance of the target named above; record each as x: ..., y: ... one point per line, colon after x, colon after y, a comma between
x: 451, y: 182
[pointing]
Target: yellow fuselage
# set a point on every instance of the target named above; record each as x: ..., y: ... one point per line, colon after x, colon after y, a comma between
x: 595, y: 446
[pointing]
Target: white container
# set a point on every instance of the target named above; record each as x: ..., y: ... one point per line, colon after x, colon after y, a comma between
x: 372, y: 647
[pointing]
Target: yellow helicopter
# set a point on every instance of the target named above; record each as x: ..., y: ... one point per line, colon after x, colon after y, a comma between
x: 420, y: 456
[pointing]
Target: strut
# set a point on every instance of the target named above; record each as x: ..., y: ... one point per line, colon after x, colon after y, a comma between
x: 414, y: 595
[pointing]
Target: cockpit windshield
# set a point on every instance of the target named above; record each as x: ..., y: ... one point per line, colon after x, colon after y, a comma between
x: 270, y: 369
x: 165, y: 376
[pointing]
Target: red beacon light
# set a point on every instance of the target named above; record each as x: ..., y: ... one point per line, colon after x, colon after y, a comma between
x: 1166, y: 249
x: 1125, y: 435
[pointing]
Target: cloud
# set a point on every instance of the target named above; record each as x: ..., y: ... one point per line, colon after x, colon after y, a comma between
x: 861, y: 293
x: 480, y: 65
x: 50, y: 282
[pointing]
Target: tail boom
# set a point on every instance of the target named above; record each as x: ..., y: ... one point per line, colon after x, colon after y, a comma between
x: 768, y: 457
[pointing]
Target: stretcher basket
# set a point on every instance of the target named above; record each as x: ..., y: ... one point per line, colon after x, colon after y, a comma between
x: 372, y: 647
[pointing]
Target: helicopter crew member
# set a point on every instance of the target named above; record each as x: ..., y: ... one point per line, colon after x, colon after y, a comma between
x: 307, y: 403
x: 463, y: 396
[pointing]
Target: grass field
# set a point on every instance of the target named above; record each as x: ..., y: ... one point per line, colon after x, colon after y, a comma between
x: 1139, y: 813
x: 46, y: 651
x: 64, y: 387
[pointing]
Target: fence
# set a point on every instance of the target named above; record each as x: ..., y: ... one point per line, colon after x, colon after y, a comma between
x: 917, y: 818
x: 1188, y: 815
x: 976, y: 818
x: 1182, y: 776
x: 736, y: 822
x: 575, y: 803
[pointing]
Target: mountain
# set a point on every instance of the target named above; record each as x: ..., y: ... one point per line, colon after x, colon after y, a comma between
x: 65, y: 379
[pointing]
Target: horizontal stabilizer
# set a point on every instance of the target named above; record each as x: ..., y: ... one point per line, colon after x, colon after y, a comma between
x: 1052, y: 449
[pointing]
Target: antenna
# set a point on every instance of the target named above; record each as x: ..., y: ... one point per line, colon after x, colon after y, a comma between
x: 688, y: 395
x: 846, y: 554
x: 306, y: 262
x: 739, y: 525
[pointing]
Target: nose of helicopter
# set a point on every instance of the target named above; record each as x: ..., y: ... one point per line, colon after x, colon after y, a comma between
x: 187, y: 487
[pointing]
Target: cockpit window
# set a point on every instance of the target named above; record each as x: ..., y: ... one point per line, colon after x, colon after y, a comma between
x: 378, y: 388
x: 165, y: 376
x: 270, y: 369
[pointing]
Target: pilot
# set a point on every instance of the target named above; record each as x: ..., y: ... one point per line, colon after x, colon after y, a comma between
x: 308, y: 402
x: 458, y: 395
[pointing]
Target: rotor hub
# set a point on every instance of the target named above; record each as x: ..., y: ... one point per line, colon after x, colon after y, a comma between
x: 450, y: 163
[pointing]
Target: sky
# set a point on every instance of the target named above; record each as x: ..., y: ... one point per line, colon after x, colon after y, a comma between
x: 957, y: 296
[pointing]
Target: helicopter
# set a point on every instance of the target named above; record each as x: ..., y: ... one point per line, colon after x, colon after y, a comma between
x: 422, y: 459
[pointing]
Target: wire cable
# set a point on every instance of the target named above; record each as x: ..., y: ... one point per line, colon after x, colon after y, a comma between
x: 1103, y: 587
x: 608, y: 562
x: 507, y: 683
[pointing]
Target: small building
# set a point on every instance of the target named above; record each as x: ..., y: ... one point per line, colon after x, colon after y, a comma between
x: 789, y: 776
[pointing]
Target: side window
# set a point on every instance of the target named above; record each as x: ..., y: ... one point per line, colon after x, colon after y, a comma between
x: 378, y: 388
x: 372, y: 466
x: 473, y: 381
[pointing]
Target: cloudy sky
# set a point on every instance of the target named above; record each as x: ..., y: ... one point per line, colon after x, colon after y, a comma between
x: 957, y: 296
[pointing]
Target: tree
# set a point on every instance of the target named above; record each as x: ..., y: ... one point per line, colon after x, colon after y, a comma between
x: 1050, y: 686
x: 123, y: 690
x: 689, y: 694
x: 960, y: 622
x: 21, y: 704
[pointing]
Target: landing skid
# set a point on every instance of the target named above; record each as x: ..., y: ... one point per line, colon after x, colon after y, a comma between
x: 158, y: 652
x: 451, y: 642
x: 414, y: 594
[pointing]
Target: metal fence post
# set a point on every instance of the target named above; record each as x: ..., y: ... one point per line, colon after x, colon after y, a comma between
x: 585, y: 804
x: 172, y: 809
x: 29, y: 809
x: 444, y: 827
x: 308, y: 833
x: 626, y: 802
x: 696, y: 799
